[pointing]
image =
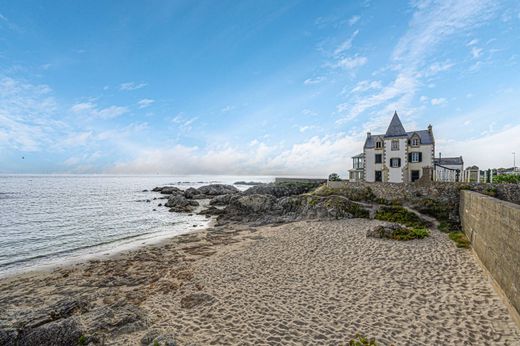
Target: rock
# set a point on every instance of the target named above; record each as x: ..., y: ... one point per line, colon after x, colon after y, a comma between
x: 159, y: 205
x: 168, y: 190
x: 212, y: 211
x: 144, y: 190
x: 155, y: 336
x: 179, y: 203
x: 61, y: 332
x: 115, y: 319
x: 148, y: 201
x: 280, y: 189
x: 221, y: 200
x: 191, y: 192
x: 265, y: 209
x: 195, y: 299
x: 384, y: 231
x: 249, y: 183
x: 217, y: 189
x: 157, y: 189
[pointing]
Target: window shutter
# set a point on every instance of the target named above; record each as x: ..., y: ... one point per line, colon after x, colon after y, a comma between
x: 398, y: 162
x: 420, y: 157
x: 409, y: 157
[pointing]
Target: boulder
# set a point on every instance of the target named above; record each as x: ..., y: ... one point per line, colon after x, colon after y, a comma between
x: 212, y: 211
x: 385, y: 231
x: 168, y: 190
x: 221, y: 200
x: 180, y: 204
x: 191, y: 192
x: 217, y: 189
x: 280, y: 189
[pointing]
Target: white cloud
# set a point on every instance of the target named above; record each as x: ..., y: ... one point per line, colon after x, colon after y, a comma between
x: 131, y: 86
x: 145, y: 103
x: 91, y: 109
x: 476, y: 52
x: 351, y: 63
x: 472, y: 42
x: 311, y: 81
x: 439, y: 67
x: 438, y: 101
x: 309, y: 112
x: 226, y: 109
x: 367, y: 85
x: 184, y: 123
x: 353, y: 20
x: 346, y: 45
x: 318, y: 156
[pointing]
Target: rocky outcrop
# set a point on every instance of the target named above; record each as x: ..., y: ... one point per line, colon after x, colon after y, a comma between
x: 191, y: 192
x: 280, y: 189
x: 265, y: 209
x: 180, y: 204
x: 221, y: 200
x: 385, y: 231
x: 217, y: 189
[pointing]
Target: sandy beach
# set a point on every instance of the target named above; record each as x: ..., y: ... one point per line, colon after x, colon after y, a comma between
x: 308, y: 282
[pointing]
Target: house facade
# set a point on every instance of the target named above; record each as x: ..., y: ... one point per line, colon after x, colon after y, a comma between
x: 397, y: 156
x: 448, y: 169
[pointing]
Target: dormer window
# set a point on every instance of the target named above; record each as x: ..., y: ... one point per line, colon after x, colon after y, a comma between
x: 415, y: 142
x: 379, y: 145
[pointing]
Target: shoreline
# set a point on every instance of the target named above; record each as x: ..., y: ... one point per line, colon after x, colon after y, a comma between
x: 309, y: 281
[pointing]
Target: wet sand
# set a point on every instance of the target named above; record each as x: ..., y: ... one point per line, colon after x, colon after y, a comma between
x: 310, y: 282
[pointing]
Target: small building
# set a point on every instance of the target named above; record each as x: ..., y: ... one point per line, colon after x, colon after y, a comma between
x: 448, y: 169
x: 472, y: 174
x: 358, y: 167
x: 398, y: 156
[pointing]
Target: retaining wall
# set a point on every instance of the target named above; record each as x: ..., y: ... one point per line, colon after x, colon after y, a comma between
x: 493, y: 227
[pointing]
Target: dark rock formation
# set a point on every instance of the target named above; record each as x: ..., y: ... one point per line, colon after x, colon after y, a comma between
x: 280, y: 189
x: 384, y: 231
x: 247, y: 183
x: 179, y: 203
x: 265, y: 209
x: 221, y: 200
x: 217, y: 189
x: 168, y: 190
x: 191, y: 192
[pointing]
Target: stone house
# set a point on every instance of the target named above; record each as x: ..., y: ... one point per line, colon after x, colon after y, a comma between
x: 396, y: 156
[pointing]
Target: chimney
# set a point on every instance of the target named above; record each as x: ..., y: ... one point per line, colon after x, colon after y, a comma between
x: 369, y: 134
x: 430, y: 129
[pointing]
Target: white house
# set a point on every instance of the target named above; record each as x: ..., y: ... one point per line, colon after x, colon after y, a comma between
x: 397, y: 156
x: 449, y: 168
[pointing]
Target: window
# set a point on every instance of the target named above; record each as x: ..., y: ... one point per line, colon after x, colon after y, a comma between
x: 395, y: 145
x: 395, y: 162
x: 415, y: 157
x: 379, y: 158
x: 379, y: 145
x: 378, y: 176
x: 415, y: 142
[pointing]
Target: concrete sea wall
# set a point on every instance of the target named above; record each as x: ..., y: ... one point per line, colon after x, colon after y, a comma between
x: 493, y: 227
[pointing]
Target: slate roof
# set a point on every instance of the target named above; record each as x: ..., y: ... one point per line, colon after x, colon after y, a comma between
x: 395, y: 129
x: 359, y: 155
x: 424, y: 136
x: 449, y: 161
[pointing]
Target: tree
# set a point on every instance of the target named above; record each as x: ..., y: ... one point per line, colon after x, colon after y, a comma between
x: 334, y: 177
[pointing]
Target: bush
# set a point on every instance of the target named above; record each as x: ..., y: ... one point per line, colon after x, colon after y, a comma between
x: 411, y: 233
x: 362, y: 341
x: 334, y: 177
x: 460, y: 239
x: 507, y: 179
x: 400, y: 215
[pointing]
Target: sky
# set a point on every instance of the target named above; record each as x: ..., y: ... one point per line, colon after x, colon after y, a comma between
x: 282, y: 87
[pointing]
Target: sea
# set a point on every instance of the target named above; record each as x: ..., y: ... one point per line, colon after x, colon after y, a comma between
x: 51, y: 220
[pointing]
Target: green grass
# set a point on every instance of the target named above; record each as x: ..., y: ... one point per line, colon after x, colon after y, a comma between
x: 460, y: 239
x: 362, y: 341
x: 82, y: 340
x: 400, y: 215
x: 411, y: 233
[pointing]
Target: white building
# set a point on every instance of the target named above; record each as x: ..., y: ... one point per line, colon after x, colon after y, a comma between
x: 398, y: 156
x: 449, y: 169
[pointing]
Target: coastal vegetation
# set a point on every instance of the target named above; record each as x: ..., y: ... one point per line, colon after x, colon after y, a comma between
x: 460, y: 239
x: 507, y: 179
x: 360, y: 340
x: 400, y: 215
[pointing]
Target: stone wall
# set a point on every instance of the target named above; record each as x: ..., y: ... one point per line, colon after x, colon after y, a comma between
x: 493, y: 227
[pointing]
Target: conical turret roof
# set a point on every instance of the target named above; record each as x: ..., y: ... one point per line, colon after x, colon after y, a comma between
x: 395, y: 129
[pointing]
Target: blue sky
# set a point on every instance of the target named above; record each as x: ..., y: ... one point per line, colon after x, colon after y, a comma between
x: 251, y: 87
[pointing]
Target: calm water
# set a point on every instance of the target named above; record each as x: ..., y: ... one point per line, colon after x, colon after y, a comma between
x: 48, y: 220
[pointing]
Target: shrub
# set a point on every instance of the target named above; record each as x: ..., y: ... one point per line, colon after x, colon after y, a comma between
x: 334, y: 177
x: 362, y: 341
x: 411, y: 233
x: 460, y: 239
x: 82, y: 340
x: 400, y: 215
x: 507, y: 179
